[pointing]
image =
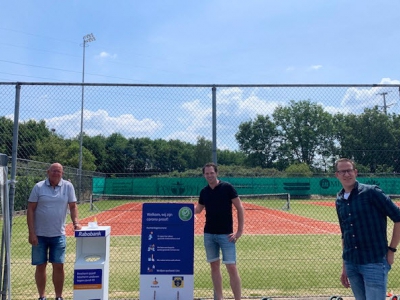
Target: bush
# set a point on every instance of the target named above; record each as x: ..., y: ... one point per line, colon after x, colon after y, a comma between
x: 299, y: 170
x: 23, y: 190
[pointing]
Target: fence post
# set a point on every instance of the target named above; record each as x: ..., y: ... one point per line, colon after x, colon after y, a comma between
x: 214, y: 125
x: 6, y: 233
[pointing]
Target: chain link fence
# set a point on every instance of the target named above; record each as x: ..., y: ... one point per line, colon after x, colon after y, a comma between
x: 252, y: 131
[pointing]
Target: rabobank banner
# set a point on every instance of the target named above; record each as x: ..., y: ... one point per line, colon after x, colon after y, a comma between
x: 167, y: 251
x: 90, y: 233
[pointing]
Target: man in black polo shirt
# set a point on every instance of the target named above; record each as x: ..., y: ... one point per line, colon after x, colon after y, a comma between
x: 217, y: 198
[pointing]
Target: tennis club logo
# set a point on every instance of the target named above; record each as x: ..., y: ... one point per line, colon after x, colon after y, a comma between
x: 185, y: 213
x: 324, y: 183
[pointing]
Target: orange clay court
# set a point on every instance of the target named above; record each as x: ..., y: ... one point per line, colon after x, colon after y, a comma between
x: 126, y: 220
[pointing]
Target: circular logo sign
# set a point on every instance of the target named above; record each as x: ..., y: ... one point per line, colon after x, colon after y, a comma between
x: 324, y: 183
x: 185, y: 214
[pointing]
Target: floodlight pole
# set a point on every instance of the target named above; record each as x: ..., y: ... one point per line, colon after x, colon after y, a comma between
x: 86, y: 39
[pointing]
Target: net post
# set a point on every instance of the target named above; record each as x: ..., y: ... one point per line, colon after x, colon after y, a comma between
x: 92, y: 205
x: 91, y: 202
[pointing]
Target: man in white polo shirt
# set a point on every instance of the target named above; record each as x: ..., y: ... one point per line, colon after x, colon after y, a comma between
x: 46, y: 216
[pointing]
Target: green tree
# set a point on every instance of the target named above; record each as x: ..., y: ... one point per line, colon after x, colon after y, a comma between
x: 305, y: 131
x: 31, y: 134
x: 143, y: 154
x: 230, y: 158
x: 202, y: 152
x: 66, y: 152
x: 115, y: 147
x: 187, y: 153
x: 258, y: 139
x: 50, y: 150
x: 396, y: 133
x: 6, y: 135
x: 368, y: 138
x: 71, y: 157
x: 97, y: 146
x: 171, y: 155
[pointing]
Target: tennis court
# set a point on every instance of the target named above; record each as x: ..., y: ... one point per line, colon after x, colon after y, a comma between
x: 126, y: 220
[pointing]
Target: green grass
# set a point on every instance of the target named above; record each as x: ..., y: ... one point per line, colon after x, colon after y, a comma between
x: 274, y: 265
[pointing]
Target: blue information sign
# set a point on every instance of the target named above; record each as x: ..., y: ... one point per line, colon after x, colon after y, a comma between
x: 167, y: 239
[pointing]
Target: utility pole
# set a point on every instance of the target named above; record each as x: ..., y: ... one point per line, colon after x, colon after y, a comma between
x: 384, y: 102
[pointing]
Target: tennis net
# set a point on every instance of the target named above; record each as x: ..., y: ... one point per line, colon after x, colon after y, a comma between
x: 102, y: 202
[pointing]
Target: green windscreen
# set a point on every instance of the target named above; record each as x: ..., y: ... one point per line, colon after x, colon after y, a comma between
x: 245, y: 186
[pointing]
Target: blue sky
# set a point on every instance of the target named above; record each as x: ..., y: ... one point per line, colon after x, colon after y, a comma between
x: 201, y: 42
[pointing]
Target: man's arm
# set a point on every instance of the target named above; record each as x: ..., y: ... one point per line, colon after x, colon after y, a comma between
x: 394, y: 242
x: 343, y: 277
x: 73, y: 209
x: 199, y: 208
x: 30, y: 219
x: 240, y: 216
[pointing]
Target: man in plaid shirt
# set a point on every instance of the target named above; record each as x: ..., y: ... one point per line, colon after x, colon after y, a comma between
x: 367, y: 256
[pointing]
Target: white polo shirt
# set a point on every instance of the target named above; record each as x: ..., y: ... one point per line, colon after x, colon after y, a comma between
x: 52, y: 206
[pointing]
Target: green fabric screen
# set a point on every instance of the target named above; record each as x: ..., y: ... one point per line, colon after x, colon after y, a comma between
x: 245, y: 186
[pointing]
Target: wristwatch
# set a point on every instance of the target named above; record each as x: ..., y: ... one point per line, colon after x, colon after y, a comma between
x: 392, y: 249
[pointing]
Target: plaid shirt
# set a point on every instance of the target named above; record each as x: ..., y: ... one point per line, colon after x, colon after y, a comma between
x: 363, y: 222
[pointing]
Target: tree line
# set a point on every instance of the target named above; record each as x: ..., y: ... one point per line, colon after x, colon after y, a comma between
x: 302, y: 134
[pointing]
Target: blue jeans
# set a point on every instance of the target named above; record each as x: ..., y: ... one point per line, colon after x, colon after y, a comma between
x: 213, y: 243
x: 369, y: 281
x: 50, y: 249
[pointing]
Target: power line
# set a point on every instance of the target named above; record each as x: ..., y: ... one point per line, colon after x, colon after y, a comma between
x: 46, y: 78
x: 34, y: 34
x: 124, y: 63
x: 58, y: 69
x: 37, y: 49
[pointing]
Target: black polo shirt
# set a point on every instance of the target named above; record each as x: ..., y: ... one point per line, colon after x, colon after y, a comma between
x: 218, y: 205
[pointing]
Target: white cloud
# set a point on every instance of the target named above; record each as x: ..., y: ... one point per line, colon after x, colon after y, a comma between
x: 335, y: 110
x: 100, y: 122
x: 196, y: 118
x: 253, y: 106
x: 234, y: 102
x: 389, y: 81
x: 233, y: 106
x: 104, y: 54
x: 229, y: 95
x: 315, y: 67
x: 356, y: 99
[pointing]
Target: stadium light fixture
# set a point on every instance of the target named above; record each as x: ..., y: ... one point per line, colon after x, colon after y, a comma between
x: 86, y: 39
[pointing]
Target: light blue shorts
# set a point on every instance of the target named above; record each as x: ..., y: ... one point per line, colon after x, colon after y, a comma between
x: 213, y: 243
x: 50, y: 249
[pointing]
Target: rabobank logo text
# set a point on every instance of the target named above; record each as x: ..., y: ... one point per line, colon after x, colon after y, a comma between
x: 93, y: 233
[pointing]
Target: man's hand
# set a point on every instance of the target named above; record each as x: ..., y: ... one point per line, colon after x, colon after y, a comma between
x: 33, y: 240
x: 344, y: 279
x: 390, y: 257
